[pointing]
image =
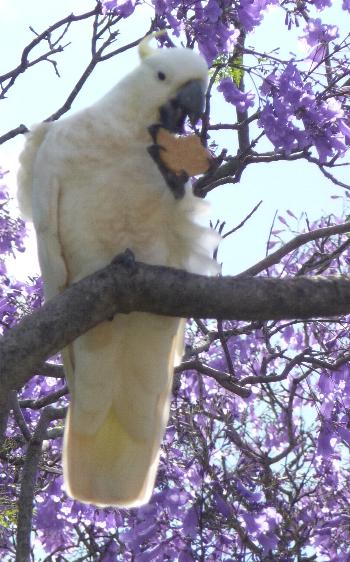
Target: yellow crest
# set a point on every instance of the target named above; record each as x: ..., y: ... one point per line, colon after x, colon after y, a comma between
x: 145, y: 50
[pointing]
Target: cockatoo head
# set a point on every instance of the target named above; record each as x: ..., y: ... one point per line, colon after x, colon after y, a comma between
x: 168, y: 86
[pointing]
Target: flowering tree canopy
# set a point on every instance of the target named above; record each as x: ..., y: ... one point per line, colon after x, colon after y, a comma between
x: 255, y: 460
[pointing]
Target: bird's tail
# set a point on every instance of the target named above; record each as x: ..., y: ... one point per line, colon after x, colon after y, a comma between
x: 119, y: 410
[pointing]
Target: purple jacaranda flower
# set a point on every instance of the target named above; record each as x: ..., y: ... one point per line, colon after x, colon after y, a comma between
x: 190, y: 522
x: 222, y: 506
x: 327, y: 406
x: 110, y: 554
x: 322, y: 4
x: 160, y: 7
x: 268, y: 541
x: 269, y: 83
x: 214, y: 38
x: 251, y: 522
x: 232, y: 94
x: 278, y: 128
x: 51, y: 525
x: 346, y: 5
x: 344, y: 128
x: 109, y: 5
x: 12, y: 229
x: 317, y: 32
x: 324, y: 446
x: 213, y: 26
x: 252, y: 497
x: 344, y: 434
x: 297, y: 118
x: 186, y: 556
x: 213, y: 11
x: 250, y: 12
x: 124, y: 9
x: 325, y: 383
x: 318, y: 35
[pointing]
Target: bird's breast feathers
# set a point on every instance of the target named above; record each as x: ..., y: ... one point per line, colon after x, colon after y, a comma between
x: 112, y: 197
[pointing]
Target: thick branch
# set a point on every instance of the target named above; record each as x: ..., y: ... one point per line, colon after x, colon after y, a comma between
x: 120, y: 288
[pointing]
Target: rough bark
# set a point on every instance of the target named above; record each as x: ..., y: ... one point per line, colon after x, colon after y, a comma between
x: 122, y: 287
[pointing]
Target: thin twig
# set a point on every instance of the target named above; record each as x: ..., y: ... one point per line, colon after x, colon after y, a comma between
x: 293, y: 244
x: 242, y: 223
x: 13, y: 74
x: 224, y: 379
x: 46, y: 400
x: 18, y: 415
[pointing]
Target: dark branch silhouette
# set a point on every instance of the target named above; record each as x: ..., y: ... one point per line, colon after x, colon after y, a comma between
x: 121, y: 288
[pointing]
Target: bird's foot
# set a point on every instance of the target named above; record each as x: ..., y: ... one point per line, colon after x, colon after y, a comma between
x: 127, y: 260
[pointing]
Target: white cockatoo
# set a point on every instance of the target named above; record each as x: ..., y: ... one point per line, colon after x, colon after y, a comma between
x: 92, y: 190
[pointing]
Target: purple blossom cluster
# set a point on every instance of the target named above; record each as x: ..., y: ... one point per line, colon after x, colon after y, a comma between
x: 321, y: 4
x: 211, y: 24
x: 318, y: 36
x: 123, y: 9
x: 16, y: 298
x: 250, y: 13
x: 232, y: 94
x: 214, y: 24
x: 296, y: 118
x: 317, y: 32
x: 12, y: 231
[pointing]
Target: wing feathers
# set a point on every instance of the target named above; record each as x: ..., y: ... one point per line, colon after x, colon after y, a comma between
x: 25, y: 172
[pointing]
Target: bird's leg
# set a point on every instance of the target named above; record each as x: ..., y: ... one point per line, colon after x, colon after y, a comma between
x: 127, y: 260
x: 176, y: 182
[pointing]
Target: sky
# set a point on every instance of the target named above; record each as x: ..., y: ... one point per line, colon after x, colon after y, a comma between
x: 296, y: 186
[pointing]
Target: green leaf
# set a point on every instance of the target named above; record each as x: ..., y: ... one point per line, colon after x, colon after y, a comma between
x: 236, y: 70
x: 8, y: 517
x: 230, y: 68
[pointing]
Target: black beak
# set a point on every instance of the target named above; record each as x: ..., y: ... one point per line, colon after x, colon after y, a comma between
x: 188, y: 101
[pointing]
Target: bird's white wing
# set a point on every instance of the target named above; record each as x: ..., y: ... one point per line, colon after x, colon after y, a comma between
x: 38, y: 196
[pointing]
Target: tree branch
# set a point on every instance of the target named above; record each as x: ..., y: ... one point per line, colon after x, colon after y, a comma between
x: 224, y: 379
x: 20, y: 130
x: 17, y: 412
x: 234, y: 167
x: 98, y: 55
x: 25, y: 63
x: 121, y: 288
x: 295, y: 243
x: 44, y: 400
x: 25, y: 502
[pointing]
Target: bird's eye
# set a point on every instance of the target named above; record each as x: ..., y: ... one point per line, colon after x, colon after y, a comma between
x: 161, y: 75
